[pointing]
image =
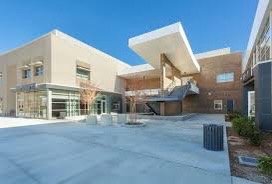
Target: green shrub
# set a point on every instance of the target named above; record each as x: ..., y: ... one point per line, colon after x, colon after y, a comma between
x: 231, y: 115
x: 255, y: 138
x: 238, y: 123
x: 245, y: 127
x: 265, y: 165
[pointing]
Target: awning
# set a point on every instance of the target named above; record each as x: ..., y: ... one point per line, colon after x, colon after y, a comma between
x: 171, y: 41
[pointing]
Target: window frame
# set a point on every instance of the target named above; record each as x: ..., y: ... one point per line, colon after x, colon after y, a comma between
x: 225, y: 78
x: 218, y: 102
x: 26, y: 75
x: 82, y: 76
x: 40, y: 72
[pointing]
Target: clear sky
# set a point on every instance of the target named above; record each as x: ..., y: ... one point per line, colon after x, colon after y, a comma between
x: 108, y: 24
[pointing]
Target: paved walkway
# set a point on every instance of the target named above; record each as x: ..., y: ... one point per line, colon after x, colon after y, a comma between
x: 162, y: 152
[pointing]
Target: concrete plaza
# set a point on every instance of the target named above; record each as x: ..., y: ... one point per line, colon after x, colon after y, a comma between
x: 70, y: 152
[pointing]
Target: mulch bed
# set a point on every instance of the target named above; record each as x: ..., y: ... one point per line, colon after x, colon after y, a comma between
x: 241, y: 146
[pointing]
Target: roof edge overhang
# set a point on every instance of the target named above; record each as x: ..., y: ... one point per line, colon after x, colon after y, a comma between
x: 171, y: 41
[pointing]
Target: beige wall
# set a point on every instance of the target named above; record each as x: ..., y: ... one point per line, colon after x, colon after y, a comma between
x: 11, y: 62
x: 60, y: 54
x: 104, y: 68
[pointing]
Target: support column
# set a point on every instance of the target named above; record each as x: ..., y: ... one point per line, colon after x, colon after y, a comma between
x: 49, y: 104
x: 162, y: 72
x: 16, y: 104
x: 162, y: 108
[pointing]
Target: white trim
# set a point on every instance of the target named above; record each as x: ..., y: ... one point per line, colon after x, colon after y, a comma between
x: 25, y: 44
x: 136, y: 69
x: 69, y: 38
x: 213, y: 53
x: 261, y: 13
x: 262, y: 62
x: 218, y: 102
x: 82, y: 44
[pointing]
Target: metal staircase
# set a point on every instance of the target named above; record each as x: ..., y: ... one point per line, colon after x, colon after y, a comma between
x: 178, y: 93
x: 152, y: 109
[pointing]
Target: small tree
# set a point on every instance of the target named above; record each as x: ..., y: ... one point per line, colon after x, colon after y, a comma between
x: 138, y: 96
x: 88, y: 92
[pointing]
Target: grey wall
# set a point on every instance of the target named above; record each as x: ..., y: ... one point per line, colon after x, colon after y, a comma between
x: 263, y: 100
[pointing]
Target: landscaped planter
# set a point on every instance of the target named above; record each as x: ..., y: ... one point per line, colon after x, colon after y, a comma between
x: 122, y: 118
x: 91, y: 120
x: 106, y: 119
x: 134, y: 125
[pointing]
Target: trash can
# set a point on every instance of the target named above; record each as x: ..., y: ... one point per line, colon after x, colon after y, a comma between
x: 213, y: 137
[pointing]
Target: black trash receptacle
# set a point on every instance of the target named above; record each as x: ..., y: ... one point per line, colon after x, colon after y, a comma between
x: 213, y: 137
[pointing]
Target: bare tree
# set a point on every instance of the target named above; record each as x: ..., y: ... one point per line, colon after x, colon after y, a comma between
x: 88, y: 93
x: 138, y: 96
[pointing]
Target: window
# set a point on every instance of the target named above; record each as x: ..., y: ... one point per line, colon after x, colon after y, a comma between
x: 26, y: 73
x: 218, y: 104
x: 1, y: 75
x: 83, y: 73
x: 116, y: 106
x: 225, y: 77
x: 38, y: 70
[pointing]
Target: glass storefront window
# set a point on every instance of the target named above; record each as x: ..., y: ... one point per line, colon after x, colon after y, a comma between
x: 32, y: 104
x: 66, y: 102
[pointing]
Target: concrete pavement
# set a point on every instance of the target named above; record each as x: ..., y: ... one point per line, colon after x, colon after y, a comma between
x: 161, y: 152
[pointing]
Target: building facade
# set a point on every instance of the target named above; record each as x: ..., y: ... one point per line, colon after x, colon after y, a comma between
x: 257, y: 68
x: 42, y: 79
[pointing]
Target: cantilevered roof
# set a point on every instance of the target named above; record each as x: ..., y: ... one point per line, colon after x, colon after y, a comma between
x: 144, y: 70
x: 171, y: 41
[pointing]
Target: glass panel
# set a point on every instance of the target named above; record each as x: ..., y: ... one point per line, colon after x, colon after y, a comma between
x: 225, y: 77
x: 32, y: 104
x: 38, y: 70
x: 251, y: 103
x: 26, y: 73
x: 67, y: 102
x: 83, y: 74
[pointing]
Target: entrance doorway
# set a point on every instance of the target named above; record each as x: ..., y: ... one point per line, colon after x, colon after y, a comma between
x: 230, y: 105
x: 101, y: 105
x: 251, y: 104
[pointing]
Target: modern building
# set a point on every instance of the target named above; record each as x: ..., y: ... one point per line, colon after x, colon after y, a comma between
x: 42, y: 78
x: 256, y: 68
x: 213, y: 77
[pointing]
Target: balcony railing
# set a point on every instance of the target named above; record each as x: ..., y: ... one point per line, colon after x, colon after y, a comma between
x: 248, y: 74
x: 147, y: 92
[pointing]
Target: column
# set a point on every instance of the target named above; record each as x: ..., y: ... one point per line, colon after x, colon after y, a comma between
x: 49, y: 104
x: 270, y: 25
x: 162, y: 108
x: 162, y: 74
x: 16, y: 104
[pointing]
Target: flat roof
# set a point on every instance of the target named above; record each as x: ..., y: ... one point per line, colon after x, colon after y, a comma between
x: 144, y: 70
x: 171, y: 41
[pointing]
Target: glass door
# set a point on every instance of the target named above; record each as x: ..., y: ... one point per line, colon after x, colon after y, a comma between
x: 103, y: 105
x: 251, y: 104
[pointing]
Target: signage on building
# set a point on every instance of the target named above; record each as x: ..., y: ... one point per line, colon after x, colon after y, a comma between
x: 26, y: 87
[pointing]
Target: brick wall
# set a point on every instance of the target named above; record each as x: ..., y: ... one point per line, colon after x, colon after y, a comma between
x: 210, y: 90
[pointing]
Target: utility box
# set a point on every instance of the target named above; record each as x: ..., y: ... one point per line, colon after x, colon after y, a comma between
x: 213, y: 137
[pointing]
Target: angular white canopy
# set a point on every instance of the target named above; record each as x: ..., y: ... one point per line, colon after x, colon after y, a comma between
x: 171, y: 41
